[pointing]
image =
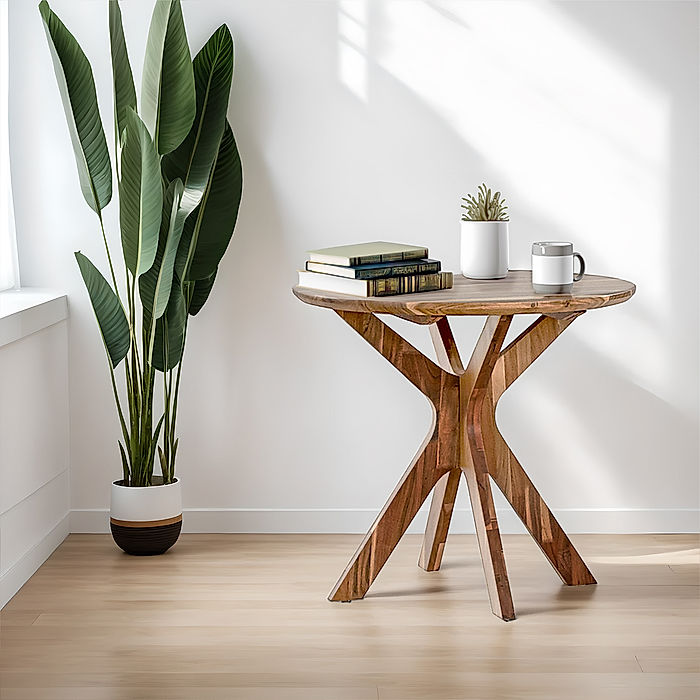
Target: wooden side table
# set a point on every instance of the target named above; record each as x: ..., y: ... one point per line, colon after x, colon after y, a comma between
x: 464, y: 437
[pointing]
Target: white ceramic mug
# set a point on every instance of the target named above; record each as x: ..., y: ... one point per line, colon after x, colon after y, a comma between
x: 553, y: 267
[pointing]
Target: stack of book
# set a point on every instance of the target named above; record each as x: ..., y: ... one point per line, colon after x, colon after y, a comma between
x: 374, y: 269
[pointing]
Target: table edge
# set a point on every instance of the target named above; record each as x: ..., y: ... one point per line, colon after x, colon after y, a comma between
x: 547, y: 305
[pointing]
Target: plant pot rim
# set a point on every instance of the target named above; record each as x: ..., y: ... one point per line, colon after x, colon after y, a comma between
x: 119, y: 483
x: 488, y: 221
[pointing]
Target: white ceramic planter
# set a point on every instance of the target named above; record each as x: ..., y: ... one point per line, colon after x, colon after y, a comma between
x: 484, y: 249
x: 146, y: 519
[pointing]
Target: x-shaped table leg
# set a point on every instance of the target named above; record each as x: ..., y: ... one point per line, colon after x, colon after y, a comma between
x: 463, y: 439
x: 503, y: 466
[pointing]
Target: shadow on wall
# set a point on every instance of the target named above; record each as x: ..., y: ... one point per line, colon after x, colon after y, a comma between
x: 540, y: 113
x: 288, y: 369
x: 570, y: 109
x: 615, y: 431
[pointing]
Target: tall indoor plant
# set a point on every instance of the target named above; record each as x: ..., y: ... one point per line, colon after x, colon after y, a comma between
x: 179, y: 181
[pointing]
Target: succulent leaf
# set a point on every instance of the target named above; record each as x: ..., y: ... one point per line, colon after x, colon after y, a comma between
x: 485, y: 206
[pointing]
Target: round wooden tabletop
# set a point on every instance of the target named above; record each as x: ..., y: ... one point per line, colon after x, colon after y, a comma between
x: 511, y: 295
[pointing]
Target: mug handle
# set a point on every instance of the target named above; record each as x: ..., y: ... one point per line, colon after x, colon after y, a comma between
x: 582, y: 265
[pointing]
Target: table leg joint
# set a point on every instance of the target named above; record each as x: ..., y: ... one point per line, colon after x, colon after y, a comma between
x: 463, y: 439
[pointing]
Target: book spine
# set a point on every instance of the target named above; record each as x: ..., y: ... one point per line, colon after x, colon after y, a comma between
x: 362, y: 260
x: 388, y: 257
x: 415, y: 255
x: 395, y: 270
x: 409, y: 284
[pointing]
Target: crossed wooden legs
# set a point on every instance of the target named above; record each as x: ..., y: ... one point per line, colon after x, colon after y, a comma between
x: 464, y: 439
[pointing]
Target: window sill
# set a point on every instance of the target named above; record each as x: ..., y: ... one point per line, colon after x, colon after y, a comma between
x: 28, y: 310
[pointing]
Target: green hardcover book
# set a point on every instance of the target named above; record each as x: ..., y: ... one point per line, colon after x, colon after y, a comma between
x: 377, y: 270
x: 385, y: 286
x: 367, y: 253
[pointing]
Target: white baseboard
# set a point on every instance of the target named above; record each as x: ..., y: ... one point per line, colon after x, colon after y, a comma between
x: 22, y: 570
x: 358, y: 520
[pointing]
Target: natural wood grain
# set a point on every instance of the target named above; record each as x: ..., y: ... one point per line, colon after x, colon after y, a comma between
x: 446, y: 347
x: 439, y: 517
x: 464, y: 433
x: 511, y: 295
x: 393, y: 521
x: 146, y: 523
x: 474, y: 446
x: 504, y: 467
x: 243, y: 617
x: 416, y: 367
x: 445, y: 492
x: 526, y: 348
x: 464, y: 401
x: 436, y: 456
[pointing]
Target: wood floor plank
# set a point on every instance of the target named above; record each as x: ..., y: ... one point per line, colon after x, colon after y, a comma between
x: 169, y: 692
x: 245, y: 616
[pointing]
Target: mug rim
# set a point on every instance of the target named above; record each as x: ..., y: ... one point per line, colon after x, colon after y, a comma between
x: 552, y: 248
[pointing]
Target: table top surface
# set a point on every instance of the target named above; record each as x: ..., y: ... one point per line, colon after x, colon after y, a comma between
x: 512, y: 295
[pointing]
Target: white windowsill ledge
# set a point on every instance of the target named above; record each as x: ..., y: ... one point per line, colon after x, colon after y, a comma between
x: 28, y: 310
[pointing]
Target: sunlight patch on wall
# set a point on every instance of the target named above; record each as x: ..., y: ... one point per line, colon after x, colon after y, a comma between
x: 352, y: 46
x: 592, y: 469
x: 575, y: 133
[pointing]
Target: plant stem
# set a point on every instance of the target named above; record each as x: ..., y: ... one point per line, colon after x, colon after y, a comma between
x: 125, y: 432
x: 109, y: 257
x: 176, y: 393
x: 164, y: 466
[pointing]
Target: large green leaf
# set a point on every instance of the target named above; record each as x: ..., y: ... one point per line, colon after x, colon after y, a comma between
x: 110, y: 315
x: 192, y: 160
x: 77, y: 88
x: 167, y: 92
x: 140, y: 197
x: 209, y: 227
x: 155, y: 285
x: 170, y: 331
x: 200, y: 293
x: 124, y: 92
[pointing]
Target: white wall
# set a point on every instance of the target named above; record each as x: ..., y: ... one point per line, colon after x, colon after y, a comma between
x: 360, y: 120
x: 34, y: 474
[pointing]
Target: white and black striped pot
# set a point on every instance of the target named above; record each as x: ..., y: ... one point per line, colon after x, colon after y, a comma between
x: 146, y: 519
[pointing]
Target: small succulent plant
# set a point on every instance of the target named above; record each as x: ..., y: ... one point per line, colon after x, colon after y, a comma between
x: 485, y: 206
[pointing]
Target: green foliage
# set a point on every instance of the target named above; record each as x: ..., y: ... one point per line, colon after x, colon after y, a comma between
x: 192, y: 160
x: 167, y: 92
x: 122, y: 78
x: 210, y: 226
x: 200, y: 293
x: 485, y: 206
x: 108, y: 311
x: 156, y: 284
x: 77, y: 88
x: 140, y: 196
x: 180, y: 183
x: 170, y: 329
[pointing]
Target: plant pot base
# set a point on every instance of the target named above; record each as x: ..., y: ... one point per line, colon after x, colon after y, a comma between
x: 146, y: 540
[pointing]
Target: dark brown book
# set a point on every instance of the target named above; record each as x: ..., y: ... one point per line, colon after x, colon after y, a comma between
x: 386, y: 286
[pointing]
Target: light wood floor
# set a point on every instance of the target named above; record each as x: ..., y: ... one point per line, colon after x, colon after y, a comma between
x: 245, y: 617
